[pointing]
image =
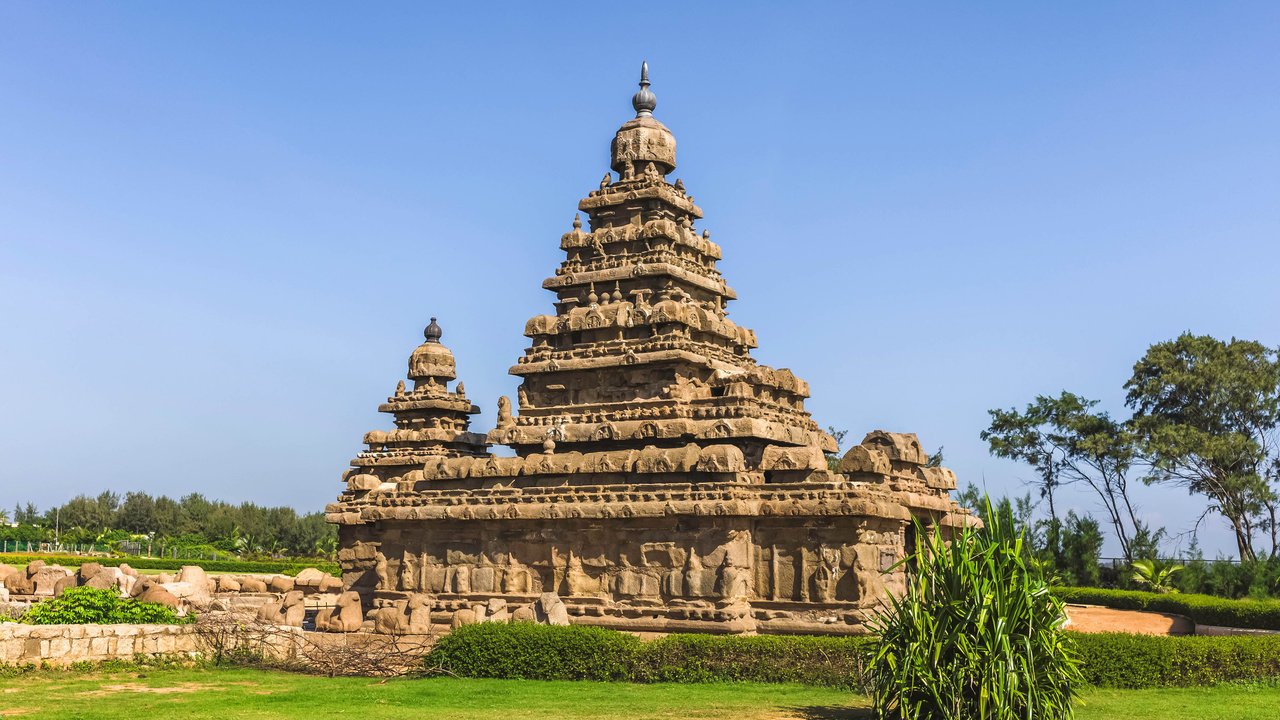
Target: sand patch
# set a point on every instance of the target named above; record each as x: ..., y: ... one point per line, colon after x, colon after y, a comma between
x: 179, y: 688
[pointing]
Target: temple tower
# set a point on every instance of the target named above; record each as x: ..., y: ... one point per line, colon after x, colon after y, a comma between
x: 640, y: 350
x: 662, y: 479
x: 431, y: 421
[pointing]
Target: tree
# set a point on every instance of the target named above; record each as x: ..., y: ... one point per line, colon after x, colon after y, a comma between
x: 1081, y: 550
x: 833, y: 459
x: 137, y: 513
x: 1205, y: 414
x: 1067, y: 441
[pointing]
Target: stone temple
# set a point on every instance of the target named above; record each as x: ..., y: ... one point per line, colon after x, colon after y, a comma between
x: 662, y: 479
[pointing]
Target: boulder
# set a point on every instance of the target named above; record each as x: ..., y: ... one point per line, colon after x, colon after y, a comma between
x: 88, y: 570
x: 63, y: 583
x: 102, y: 581
x: 252, y: 585
x: 124, y: 568
x: 196, y: 595
x: 14, y: 580
x: 310, y: 578
x: 20, y: 584
x: 157, y: 593
x: 524, y: 613
x: 330, y: 584
x: 193, y: 574
x: 280, y: 584
x: 46, y: 577
x: 462, y: 617
x: 226, y: 583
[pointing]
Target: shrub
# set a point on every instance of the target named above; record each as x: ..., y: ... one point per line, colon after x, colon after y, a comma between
x: 810, y: 660
x: 1203, y: 609
x: 1121, y: 660
x: 541, y: 652
x: 976, y: 635
x: 529, y: 651
x: 538, y: 652
x: 86, y: 605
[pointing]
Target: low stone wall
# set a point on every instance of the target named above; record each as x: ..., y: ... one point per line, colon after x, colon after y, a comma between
x: 66, y: 644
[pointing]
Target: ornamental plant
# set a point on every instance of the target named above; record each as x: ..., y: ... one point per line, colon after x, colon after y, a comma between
x: 86, y: 605
x: 1154, y: 575
x: 976, y: 635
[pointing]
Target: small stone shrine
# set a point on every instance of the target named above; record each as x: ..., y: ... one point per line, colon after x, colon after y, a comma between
x: 662, y: 479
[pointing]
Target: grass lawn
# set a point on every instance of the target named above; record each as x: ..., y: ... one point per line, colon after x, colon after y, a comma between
x: 193, y: 694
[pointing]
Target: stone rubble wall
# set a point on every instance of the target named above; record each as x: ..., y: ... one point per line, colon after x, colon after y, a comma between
x: 67, y: 644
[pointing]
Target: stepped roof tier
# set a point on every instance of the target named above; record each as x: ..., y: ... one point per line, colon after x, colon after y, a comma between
x: 662, y: 480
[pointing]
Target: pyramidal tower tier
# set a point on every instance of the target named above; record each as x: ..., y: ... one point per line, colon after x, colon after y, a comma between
x: 661, y: 479
x: 640, y: 350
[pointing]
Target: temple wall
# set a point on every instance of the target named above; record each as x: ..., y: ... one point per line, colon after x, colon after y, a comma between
x: 805, y: 573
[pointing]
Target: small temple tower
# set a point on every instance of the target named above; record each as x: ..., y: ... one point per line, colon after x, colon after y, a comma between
x: 662, y: 481
x: 431, y: 420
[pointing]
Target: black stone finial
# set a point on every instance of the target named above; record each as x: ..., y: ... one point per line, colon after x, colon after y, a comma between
x: 433, y: 332
x: 645, y: 102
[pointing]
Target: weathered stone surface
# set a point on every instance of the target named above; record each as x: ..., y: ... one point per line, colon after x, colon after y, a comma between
x: 288, y: 610
x: 158, y: 593
x: 462, y: 617
x: 346, y: 616
x: 662, y: 479
x: 252, y: 585
x: 309, y: 578
x: 551, y: 610
x: 280, y: 584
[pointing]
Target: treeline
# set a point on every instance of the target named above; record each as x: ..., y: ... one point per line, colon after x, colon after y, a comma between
x: 1069, y: 552
x: 192, y: 522
x: 1204, y: 423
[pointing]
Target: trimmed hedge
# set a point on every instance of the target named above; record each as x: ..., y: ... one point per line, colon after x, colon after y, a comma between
x: 823, y: 660
x: 284, y: 567
x: 1121, y: 660
x: 540, y: 652
x: 528, y: 651
x: 1203, y: 609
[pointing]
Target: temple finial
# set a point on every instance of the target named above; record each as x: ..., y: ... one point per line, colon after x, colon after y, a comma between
x: 644, y: 101
x: 433, y: 332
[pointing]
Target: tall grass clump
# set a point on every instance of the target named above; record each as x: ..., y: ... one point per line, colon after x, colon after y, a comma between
x: 976, y: 635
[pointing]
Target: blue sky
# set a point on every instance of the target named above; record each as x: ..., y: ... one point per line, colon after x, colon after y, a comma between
x: 223, y: 226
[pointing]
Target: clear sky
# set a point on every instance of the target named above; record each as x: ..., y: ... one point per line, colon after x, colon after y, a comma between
x: 223, y: 226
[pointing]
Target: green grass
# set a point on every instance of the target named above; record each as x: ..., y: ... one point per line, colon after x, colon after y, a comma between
x: 215, y: 693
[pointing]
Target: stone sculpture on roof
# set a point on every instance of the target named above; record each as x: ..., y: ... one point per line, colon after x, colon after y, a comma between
x: 663, y: 480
